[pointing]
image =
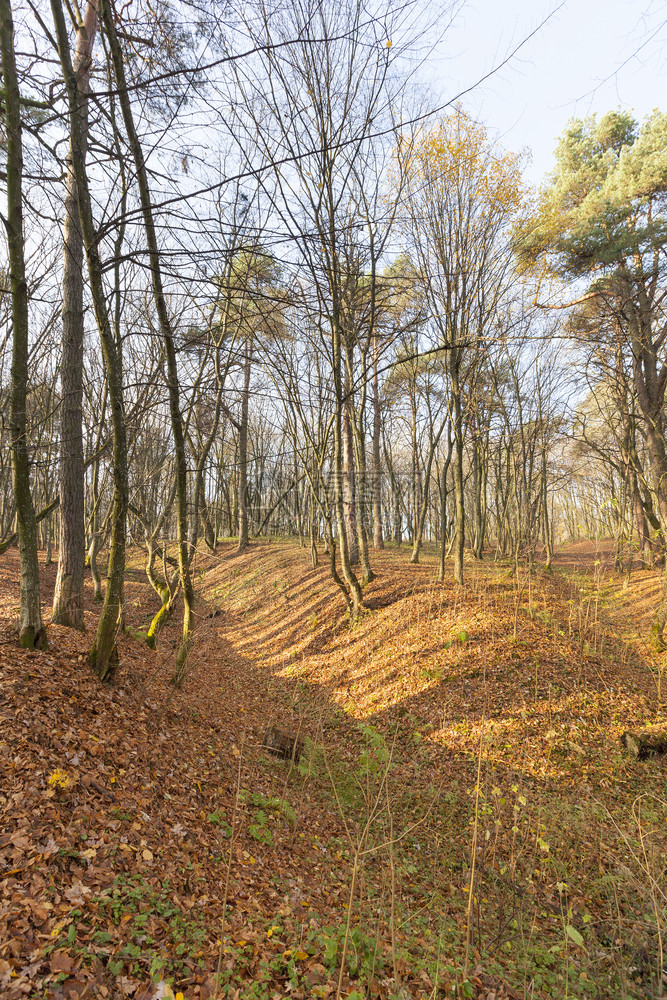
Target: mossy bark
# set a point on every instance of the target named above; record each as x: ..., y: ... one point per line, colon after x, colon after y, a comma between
x: 164, y: 592
x: 164, y: 321
x: 645, y: 744
x: 31, y: 629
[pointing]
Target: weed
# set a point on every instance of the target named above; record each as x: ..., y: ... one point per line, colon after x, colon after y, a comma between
x: 138, y: 911
x: 219, y: 820
x: 363, y: 958
x: 268, y: 810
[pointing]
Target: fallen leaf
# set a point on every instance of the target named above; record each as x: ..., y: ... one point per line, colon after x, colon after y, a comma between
x: 61, y: 962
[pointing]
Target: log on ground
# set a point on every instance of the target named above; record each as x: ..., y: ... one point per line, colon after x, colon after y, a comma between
x: 282, y: 745
x: 645, y: 744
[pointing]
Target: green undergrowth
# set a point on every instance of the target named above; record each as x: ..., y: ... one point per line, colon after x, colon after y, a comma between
x: 140, y: 931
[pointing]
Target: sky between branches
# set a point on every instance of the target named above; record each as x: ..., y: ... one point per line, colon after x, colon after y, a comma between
x: 591, y: 56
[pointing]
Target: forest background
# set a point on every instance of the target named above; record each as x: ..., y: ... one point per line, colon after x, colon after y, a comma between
x: 260, y: 284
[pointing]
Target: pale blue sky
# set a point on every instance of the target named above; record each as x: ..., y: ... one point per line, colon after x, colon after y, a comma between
x: 583, y: 60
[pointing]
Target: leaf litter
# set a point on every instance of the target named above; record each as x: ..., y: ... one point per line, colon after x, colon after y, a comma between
x: 150, y: 848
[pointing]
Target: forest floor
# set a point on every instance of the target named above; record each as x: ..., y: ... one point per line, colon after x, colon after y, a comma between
x: 463, y: 820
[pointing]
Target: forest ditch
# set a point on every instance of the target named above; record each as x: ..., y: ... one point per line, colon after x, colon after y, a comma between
x: 463, y: 821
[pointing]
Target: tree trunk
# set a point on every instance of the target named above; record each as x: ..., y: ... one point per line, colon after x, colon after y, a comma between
x: 93, y: 549
x: 367, y: 573
x: 443, y: 523
x: 656, y: 449
x: 68, y: 595
x: 313, y: 531
x: 242, y: 480
x: 103, y: 653
x: 210, y: 539
x: 459, y: 510
x: 168, y: 342
x: 31, y: 629
x: 348, y: 491
x: 378, y: 540
x: 48, y: 558
x: 548, y: 547
x: 349, y: 583
x: 640, y: 520
x: 398, y: 518
x: 443, y: 507
x: 479, y: 486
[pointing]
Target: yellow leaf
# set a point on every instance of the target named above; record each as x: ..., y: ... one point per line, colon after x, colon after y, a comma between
x: 179, y: 996
x: 147, y: 855
x: 389, y: 43
x: 235, y: 750
x: 300, y: 956
x: 59, y: 778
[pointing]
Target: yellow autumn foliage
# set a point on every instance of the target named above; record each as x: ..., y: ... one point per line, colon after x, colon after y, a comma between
x: 59, y: 779
x: 456, y: 157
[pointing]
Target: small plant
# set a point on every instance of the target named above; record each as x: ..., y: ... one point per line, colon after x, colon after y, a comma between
x: 137, y: 911
x: 268, y: 809
x: 259, y: 830
x: 219, y: 820
x: 376, y: 754
x: 273, y: 802
x: 364, y: 958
